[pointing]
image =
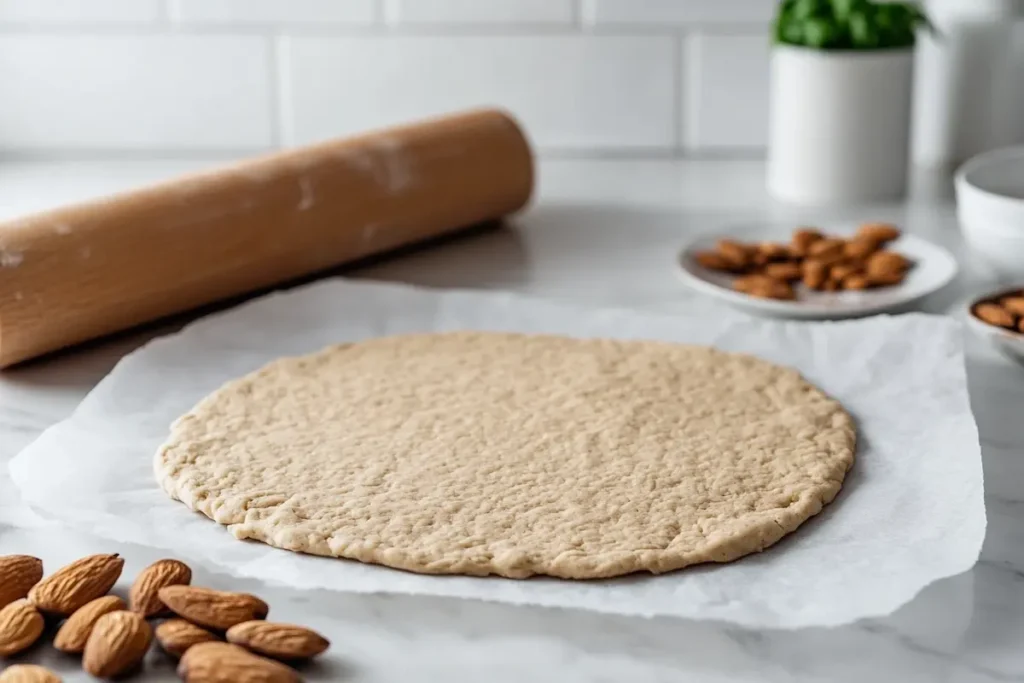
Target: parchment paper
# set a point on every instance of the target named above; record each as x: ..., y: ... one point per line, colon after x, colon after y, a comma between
x: 911, y: 511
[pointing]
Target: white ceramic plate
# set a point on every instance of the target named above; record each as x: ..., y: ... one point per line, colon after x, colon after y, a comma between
x: 934, y: 268
x: 1007, y: 342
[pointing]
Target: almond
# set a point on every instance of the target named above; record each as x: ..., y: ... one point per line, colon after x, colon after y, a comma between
x: 118, y: 643
x: 74, y: 633
x: 21, y: 624
x: 885, y: 280
x: 280, y: 641
x: 214, y: 609
x: 878, y: 232
x: 827, y: 251
x: 28, y: 673
x: 82, y: 581
x: 855, y: 281
x: 176, y: 636
x: 841, y: 271
x: 227, y: 663
x: 788, y: 272
x: 815, y: 274
x: 860, y: 248
x: 803, y: 238
x: 143, y: 597
x: 1014, y: 304
x: 769, y: 252
x: 18, y: 573
x: 737, y: 255
x: 886, y: 263
x: 712, y: 260
x: 994, y: 314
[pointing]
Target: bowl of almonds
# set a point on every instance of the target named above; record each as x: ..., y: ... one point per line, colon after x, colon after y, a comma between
x: 814, y: 273
x: 999, y: 318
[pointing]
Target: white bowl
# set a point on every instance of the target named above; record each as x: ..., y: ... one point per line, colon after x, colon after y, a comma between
x: 1008, y: 342
x: 934, y: 268
x: 990, y: 205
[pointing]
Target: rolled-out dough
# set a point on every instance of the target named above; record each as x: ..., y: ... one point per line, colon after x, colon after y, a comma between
x: 487, y: 453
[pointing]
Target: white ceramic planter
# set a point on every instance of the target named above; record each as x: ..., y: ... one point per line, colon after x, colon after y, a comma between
x: 840, y: 124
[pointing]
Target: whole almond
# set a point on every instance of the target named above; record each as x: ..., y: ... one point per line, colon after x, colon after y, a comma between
x: 737, y: 255
x: 1014, y: 304
x: 280, y: 641
x: 176, y: 636
x: 214, y: 609
x: 815, y: 274
x: 860, y: 248
x: 883, y: 263
x: 827, y: 251
x: 712, y: 260
x: 787, y: 272
x: 82, y: 581
x: 74, y: 633
x: 144, y: 597
x: 994, y: 314
x: 28, y: 673
x: 855, y: 281
x: 18, y: 573
x: 803, y: 238
x: 21, y: 624
x: 227, y: 663
x: 118, y: 643
x: 878, y: 232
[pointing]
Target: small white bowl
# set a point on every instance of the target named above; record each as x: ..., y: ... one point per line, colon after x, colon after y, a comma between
x: 1007, y: 342
x: 990, y: 205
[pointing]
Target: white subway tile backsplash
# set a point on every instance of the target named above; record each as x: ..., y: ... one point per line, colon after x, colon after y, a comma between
x: 661, y: 12
x: 79, y: 11
x: 245, y: 12
x: 460, y: 12
x: 571, y: 92
x: 206, y: 75
x: 725, y: 99
x: 117, y: 92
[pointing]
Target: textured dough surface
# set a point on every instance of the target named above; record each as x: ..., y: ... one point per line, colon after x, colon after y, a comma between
x: 487, y: 453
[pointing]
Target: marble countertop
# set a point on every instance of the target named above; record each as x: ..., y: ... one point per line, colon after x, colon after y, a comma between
x: 604, y: 232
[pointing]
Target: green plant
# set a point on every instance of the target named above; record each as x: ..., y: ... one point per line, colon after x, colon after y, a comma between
x: 848, y: 24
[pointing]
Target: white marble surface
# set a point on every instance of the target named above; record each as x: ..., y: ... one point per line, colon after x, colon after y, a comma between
x: 606, y: 232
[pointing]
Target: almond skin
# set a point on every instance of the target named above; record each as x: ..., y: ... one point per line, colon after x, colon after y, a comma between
x: 219, y: 610
x: 28, y: 673
x: 280, y: 641
x: 994, y: 314
x: 74, y: 633
x: 144, y: 597
x: 118, y: 643
x: 18, y: 573
x: 82, y: 581
x: 227, y: 663
x: 21, y: 624
x: 1014, y: 304
x: 176, y: 636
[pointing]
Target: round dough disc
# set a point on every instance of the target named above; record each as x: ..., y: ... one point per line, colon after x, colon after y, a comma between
x: 485, y: 453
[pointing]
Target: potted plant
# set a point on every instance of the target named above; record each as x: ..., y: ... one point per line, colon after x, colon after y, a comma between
x: 842, y: 80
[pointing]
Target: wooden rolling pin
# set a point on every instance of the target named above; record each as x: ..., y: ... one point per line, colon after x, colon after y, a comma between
x: 84, y: 271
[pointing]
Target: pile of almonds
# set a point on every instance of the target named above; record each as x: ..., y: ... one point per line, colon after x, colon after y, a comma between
x: 1006, y: 311
x: 218, y: 635
x: 770, y: 269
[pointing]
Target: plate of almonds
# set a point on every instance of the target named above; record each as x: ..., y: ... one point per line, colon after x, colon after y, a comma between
x: 999, y: 318
x: 812, y: 273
